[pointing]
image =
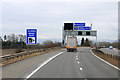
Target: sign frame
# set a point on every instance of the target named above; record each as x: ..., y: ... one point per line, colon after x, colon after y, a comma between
x: 31, y: 36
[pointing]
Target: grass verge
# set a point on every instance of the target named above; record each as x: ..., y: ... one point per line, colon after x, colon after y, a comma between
x: 15, y: 59
x: 115, y: 60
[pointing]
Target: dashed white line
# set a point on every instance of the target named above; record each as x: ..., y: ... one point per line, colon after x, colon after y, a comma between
x: 81, y: 69
x: 77, y: 58
x: 43, y: 64
x: 78, y: 62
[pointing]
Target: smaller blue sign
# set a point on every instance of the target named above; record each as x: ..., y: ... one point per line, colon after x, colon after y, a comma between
x: 85, y: 28
x: 79, y: 24
x: 76, y: 28
x: 31, y: 36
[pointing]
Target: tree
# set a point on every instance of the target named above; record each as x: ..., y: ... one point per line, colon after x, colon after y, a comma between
x: 115, y: 44
x: 1, y: 42
x: 1, y: 39
x: 47, y: 43
x: 87, y: 43
x: 13, y: 38
x: 106, y: 44
x: 21, y: 38
x: 18, y: 41
x: 91, y: 43
x: 82, y: 41
x: 5, y: 37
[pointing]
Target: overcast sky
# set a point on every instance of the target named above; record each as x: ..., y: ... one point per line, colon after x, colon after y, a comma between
x: 48, y: 16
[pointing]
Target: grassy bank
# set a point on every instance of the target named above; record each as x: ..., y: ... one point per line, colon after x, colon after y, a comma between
x: 115, y: 60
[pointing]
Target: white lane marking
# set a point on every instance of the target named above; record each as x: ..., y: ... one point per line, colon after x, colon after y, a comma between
x: 77, y: 58
x: 81, y: 69
x: 43, y: 64
x: 78, y: 62
x: 105, y: 61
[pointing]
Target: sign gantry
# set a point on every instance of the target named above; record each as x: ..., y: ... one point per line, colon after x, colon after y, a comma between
x: 77, y: 29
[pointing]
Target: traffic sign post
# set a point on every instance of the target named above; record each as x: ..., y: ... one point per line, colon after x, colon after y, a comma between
x: 31, y: 37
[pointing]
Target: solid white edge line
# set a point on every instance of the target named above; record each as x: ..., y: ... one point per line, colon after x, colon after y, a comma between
x: 105, y: 61
x: 43, y: 64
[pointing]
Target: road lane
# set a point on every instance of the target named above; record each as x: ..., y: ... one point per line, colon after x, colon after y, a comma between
x: 110, y: 51
x: 81, y: 64
x: 64, y: 66
x: 95, y: 68
x: 22, y: 68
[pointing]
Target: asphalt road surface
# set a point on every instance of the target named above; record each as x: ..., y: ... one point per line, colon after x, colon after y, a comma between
x: 110, y: 51
x: 81, y: 64
x: 22, y: 68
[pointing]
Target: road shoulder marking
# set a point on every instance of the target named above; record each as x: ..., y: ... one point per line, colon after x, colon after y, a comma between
x: 105, y: 61
x: 43, y: 64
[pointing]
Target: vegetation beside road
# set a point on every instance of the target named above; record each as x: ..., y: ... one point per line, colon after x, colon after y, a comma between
x: 14, y: 51
x: 14, y: 48
x: 115, y: 60
x: 17, y: 43
x: 105, y: 44
x: 14, y: 58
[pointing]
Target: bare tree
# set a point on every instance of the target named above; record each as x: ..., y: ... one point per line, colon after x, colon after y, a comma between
x: 1, y: 42
x: 47, y: 44
x: 21, y: 38
x: 5, y: 37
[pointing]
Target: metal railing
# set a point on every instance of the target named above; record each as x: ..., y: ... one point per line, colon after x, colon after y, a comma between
x: 6, y: 58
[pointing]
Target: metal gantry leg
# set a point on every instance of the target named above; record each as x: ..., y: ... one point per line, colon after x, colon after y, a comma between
x: 96, y: 42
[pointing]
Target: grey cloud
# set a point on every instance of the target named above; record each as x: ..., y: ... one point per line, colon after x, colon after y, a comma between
x: 48, y: 17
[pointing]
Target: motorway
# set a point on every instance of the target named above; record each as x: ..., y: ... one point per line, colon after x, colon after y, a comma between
x: 81, y: 64
x: 22, y: 68
x: 110, y: 51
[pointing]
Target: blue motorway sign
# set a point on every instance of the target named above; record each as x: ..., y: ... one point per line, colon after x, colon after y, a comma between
x: 79, y: 24
x: 85, y: 28
x: 31, y: 36
x: 75, y: 28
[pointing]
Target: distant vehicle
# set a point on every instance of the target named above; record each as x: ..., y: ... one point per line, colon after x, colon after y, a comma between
x: 71, y: 44
x: 91, y: 46
x: 110, y: 47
